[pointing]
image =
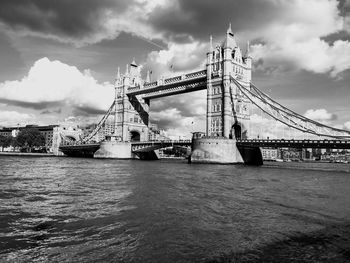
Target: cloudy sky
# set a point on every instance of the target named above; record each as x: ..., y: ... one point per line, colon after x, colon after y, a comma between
x: 58, y: 59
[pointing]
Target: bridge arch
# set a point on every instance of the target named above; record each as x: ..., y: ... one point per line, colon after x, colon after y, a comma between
x: 238, y: 131
x: 135, y: 136
x: 70, y: 138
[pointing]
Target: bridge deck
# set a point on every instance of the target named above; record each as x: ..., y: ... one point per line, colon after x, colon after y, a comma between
x: 323, y: 144
x: 87, y: 150
x: 80, y: 150
x: 154, y: 145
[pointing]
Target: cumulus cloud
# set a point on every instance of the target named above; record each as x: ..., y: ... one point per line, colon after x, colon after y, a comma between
x: 346, y: 126
x: 52, y: 83
x: 320, y: 115
x: 263, y: 128
x: 177, y: 59
x: 79, y: 22
x: 286, y: 34
x: 12, y: 118
x: 180, y: 115
x: 346, y: 10
x: 296, y: 40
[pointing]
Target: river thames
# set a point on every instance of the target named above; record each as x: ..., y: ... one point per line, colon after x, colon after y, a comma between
x: 90, y: 210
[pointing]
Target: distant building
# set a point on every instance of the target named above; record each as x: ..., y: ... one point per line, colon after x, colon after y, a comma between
x: 155, y: 134
x: 54, y: 134
x: 269, y: 154
x: 7, y: 131
x: 290, y: 154
x: 46, y: 131
x: 65, y: 133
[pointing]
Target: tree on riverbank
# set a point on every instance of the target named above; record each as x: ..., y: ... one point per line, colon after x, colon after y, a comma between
x: 28, y: 139
x: 5, y: 141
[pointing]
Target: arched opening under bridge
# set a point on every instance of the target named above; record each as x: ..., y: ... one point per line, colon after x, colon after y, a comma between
x: 134, y: 136
x: 236, y: 131
x: 70, y: 138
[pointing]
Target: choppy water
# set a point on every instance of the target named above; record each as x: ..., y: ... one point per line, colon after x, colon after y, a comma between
x: 86, y: 210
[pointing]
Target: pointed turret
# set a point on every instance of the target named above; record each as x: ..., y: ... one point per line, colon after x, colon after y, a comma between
x: 229, y: 30
x: 118, y: 79
x: 127, y: 69
x: 247, y: 52
x: 133, y: 63
x: 148, y: 77
x: 118, y: 73
x: 211, y: 49
x: 229, y: 41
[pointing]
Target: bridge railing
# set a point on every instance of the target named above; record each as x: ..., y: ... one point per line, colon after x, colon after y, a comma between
x: 134, y: 88
x: 196, y: 74
x: 293, y: 141
x: 150, y: 85
x: 173, y: 80
x: 162, y: 142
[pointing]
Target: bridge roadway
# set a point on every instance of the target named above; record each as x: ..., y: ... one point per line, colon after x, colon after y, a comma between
x: 88, y: 149
x: 322, y: 144
x: 276, y: 143
x: 154, y: 145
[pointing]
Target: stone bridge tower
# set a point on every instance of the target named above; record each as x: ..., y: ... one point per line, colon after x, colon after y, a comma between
x: 228, y: 111
x: 131, y: 112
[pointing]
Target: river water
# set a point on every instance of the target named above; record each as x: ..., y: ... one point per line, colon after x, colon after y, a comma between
x: 89, y: 210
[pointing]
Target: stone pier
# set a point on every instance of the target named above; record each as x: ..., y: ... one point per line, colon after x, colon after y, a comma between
x: 215, y: 150
x: 114, y: 149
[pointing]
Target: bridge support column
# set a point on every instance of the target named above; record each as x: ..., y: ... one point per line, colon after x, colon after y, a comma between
x: 114, y: 150
x: 150, y: 155
x: 227, y: 110
x: 223, y: 151
x: 215, y: 150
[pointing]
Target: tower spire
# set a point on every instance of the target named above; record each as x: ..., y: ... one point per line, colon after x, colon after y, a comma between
x: 133, y: 62
x: 211, y: 44
x: 247, y: 53
x: 127, y: 69
x: 148, y: 77
x: 118, y: 73
x: 229, y: 39
x: 229, y: 30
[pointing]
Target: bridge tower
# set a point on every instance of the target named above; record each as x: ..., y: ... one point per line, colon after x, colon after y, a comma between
x: 228, y: 111
x: 132, y: 112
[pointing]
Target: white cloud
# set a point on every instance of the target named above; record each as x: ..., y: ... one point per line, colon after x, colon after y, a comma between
x: 263, y: 127
x: 109, y: 23
x: 347, y: 125
x: 54, y: 81
x: 177, y: 59
x: 320, y: 115
x: 179, y: 126
x: 12, y: 118
x: 296, y: 37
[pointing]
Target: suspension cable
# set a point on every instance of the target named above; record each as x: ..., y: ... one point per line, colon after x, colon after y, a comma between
x: 99, y: 125
x: 286, y: 113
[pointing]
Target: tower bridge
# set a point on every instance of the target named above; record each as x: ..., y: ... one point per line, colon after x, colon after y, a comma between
x: 231, y: 99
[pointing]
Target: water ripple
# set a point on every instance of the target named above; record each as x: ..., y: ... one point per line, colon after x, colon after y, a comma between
x: 86, y: 210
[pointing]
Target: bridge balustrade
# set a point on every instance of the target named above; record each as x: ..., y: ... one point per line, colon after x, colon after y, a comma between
x: 134, y: 88
x: 173, y: 80
x: 150, y: 85
x: 197, y: 74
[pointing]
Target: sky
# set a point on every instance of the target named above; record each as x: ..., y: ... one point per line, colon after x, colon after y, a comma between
x: 58, y: 59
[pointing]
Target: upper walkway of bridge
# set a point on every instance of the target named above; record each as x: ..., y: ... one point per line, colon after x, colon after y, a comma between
x: 176, y: 85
